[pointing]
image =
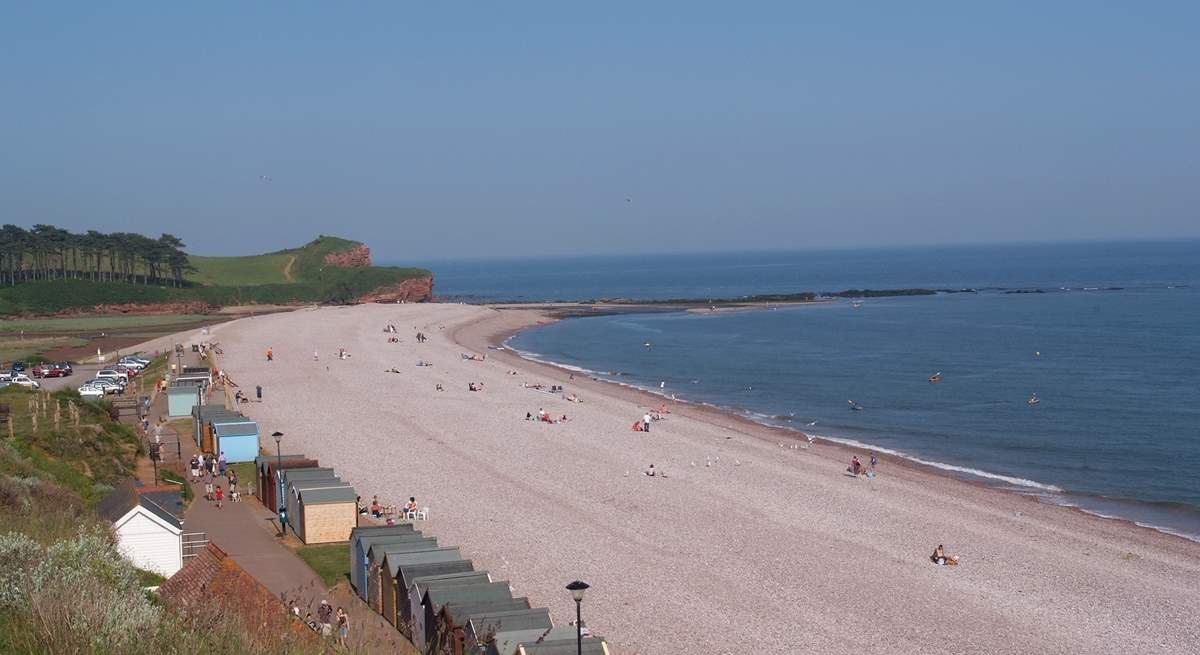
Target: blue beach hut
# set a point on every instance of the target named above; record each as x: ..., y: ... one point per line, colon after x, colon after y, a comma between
x: 239, y: 441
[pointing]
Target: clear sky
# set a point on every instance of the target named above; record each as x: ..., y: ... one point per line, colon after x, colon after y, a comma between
x: 523, y: 128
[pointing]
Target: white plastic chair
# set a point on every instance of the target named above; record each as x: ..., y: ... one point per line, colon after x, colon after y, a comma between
x: 423, y: 513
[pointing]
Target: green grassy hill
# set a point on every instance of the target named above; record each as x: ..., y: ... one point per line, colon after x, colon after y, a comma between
x: 296, y: 275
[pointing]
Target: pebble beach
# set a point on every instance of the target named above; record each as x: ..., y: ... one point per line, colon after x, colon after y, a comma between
x: 752, y: 542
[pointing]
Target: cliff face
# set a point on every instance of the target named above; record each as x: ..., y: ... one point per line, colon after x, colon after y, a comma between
x: 356, y: 257
x: 418, y: 289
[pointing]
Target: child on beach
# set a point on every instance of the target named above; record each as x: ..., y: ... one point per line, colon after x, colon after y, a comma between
x: 219, y: 496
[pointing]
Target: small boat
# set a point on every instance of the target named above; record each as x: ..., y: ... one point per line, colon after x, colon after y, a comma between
x: 855, y: 406
x: 1033, y: 399
x: 935, y: 378
x: 856, y: 305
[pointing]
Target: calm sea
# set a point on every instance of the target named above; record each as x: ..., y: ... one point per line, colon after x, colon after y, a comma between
x: 1110, y: 346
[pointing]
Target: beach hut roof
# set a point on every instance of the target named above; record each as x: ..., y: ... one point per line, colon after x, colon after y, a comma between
x: 179, y: 387
x: 410, y: 571
x: 247, y: 429
x: 197, y: 370
x: 326, y: 495
x: 365, y: 531
x: 590, y: 646
x: 381, y: 542
x: 316, y: 483
x: 184, y: 382
x: 439, y: 596
x: 396, y: 560
x: 537, y: 618
x: 426, y: 582
x: 397, y: 548
x: 266, y: 459
x: 462, y: 612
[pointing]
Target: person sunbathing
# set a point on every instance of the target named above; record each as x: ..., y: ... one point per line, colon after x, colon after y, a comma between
x: 940, y: 557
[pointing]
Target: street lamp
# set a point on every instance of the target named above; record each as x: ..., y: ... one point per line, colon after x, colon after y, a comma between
x: 577, y: 588
x: 279, y: 494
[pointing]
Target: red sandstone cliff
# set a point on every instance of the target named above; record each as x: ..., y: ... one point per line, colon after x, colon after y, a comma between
x: 357, y: 257
x: 418, y: 289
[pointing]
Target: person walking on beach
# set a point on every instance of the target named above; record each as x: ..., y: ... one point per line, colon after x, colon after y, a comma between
x: 646, y: 422
x: 219, y: 496
x: 343, y: 625
x: 270, y: 354
x: 874, y: 461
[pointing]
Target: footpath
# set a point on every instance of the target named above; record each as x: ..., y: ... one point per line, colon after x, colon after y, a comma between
x: 249, y: 534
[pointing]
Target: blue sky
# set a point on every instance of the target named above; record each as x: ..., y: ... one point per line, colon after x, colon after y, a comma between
x: 522, y: 129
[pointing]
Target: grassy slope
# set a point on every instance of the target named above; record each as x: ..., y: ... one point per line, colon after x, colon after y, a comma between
x: 313, y: 282
x: 234, y: 271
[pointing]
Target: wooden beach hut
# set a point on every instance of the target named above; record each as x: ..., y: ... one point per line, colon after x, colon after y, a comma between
x: 409, y: 572
x: 268, y: 482
x: 413, y: 610
x: 182, y: 396
x: 392, y: 594
x: 296, y: 479
x: 205, y: 417
x: 200, y: 416
x: 238, y: 441
x: 326, y: 514
x: 482, y: 628
x: 449, y: 610
x: 361, y: 540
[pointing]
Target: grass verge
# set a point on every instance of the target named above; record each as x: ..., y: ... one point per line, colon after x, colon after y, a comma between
x: 331, y: 562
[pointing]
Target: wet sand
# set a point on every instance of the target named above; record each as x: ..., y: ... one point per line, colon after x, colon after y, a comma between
x: 768, y: 550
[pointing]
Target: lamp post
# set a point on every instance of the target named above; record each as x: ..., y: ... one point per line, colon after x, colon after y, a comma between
x: 577, y: 588
x: 279, y: 483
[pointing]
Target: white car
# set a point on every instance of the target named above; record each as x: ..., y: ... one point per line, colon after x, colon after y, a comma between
x: 25, y: 381
x: 113, y: 374
x: 130, y: 364
x: 91, y: 391
x: 109, y: 385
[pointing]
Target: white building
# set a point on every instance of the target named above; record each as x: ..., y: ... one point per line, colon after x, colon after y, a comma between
x: 148, y: 531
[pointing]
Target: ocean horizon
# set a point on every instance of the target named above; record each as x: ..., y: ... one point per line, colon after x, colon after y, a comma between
x: 1102, y: 333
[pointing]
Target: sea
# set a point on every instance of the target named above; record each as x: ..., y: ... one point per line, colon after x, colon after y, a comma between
x: 1105, y: 335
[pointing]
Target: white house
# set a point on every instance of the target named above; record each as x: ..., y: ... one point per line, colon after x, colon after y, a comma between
x: 148, y: 531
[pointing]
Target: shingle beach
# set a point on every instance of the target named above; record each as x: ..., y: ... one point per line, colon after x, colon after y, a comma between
x: 745, y: 546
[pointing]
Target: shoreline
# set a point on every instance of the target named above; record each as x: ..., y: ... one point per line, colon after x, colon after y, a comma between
x: 495, y: 342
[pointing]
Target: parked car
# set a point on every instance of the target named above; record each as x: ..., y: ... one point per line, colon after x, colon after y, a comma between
x: 132, y: 363
x: 17, y: 367
x: 48, y: 370
x: 109, y: 385
x: 92, y: 391
x: 113, y: 373
x: 25, y: 381
x: 137, y: 360
x: 121, y: 368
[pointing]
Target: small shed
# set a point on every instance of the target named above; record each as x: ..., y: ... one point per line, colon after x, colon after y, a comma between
x: 506, y: 642
x: 196, y: 373
x: 239, y: 441
x: 296, y: 479
x: 327, y: 514
x: 202, y: 420
x: 361, y: 540
x: 567, y: 646
x: 482, y: 628
x: 268, y: 481
x: 410, y: 572
x: 447, y: 626
x: 148, y: 528
x: 392, y: 593
x: 414, y: 609
x: 181, y: 398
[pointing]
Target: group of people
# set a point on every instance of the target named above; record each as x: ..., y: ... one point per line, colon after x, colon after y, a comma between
x: 544, y: 416
x: 471, y: 357
x: 474, y: 386
x: 209, y: 469
x: 856, y: 467
x: 378, y: 511
x: 643, y: 424
x: 325, y: 620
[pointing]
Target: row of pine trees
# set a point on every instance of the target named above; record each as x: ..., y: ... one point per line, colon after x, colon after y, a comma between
x: 46, y: 252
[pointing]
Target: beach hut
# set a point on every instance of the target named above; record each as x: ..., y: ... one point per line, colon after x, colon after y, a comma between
x: 506, y: 642
x: 181, y: 398
x: 268, y: 482
x: 238, y: 441
x: 410, y: 572
x: 148, y: 526
x: 202, y: 373
x: 413, y: 611
x: 445, y: 626
x: 482, y: 628
x: 361, y: 540
x: 326, y: 514
x: 368, y: 577
x: 296, y: 479
x: 391, y: 591
x: 564, y: 646
x: 202, y: 423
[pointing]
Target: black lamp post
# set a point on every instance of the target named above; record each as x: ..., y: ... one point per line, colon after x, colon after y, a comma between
x: 577, y: 588
x: 279, y: 495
